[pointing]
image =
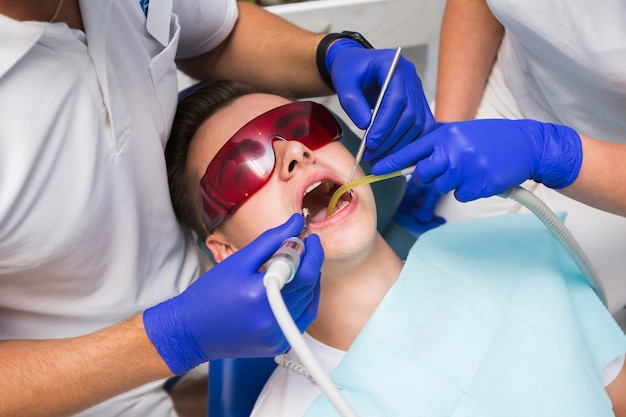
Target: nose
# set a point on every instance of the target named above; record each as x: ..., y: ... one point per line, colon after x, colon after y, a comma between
x: 290, y: 154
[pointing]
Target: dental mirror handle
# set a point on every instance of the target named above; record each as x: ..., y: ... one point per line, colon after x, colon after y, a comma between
x: 361, y: 150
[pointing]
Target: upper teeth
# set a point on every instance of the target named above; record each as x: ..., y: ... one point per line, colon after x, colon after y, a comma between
x: 312, y: 187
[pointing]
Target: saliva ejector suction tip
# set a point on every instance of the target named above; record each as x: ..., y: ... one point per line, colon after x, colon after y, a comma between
x: 347, y: 187
x: 283, y: 265
x: 307, y: 219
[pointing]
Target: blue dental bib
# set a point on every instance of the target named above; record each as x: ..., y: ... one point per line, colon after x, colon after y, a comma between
x: 489, y: 318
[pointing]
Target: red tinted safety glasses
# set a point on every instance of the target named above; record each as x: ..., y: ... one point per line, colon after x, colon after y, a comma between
x: 245, y: 163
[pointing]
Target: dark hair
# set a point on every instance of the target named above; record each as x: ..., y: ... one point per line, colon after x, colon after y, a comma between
x: 192, y: 111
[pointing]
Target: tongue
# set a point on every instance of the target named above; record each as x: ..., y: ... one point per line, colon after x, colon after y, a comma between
x: 318, y: 212
x: 319, y: 216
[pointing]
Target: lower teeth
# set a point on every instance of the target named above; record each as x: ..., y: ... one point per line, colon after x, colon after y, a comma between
x: 341, y: 204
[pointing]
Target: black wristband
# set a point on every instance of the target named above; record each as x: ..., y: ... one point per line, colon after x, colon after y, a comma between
x: 322, y: 48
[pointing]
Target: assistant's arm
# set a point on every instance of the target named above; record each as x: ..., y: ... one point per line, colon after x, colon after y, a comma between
x: 468, y: 44
x: 63, y: 376
x: 265, y: 50
x: 484, y: 157
x: 481, y: 158
x: 602, y: 176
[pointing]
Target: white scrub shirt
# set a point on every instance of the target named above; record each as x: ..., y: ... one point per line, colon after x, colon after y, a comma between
x: 565, y: 62
x: 88, y: 237
x: 562, y: 62
x: 288, y: 393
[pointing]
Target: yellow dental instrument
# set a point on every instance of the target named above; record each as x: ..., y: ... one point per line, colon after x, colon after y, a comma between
x: 365, y: 180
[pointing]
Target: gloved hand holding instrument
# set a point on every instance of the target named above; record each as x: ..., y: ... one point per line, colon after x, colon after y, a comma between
x: 482, y: 158
x: 404, y: 114
x: 225, y: 313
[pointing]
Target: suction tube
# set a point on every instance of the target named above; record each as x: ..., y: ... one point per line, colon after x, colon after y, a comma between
x: 281, y: 269
x: 547, y: 217
x: 523, y: 197
x: 364, y: 180
x: 308, y: 359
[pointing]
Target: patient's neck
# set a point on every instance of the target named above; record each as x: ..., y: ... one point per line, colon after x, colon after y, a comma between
x: 350, y: 294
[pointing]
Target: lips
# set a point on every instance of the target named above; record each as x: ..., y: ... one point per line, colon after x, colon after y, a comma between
x: 317, y: 196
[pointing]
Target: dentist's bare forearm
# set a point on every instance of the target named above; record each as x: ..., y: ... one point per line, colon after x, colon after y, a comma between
x: 601, y: 182
x: 64, y: 376
x: 265, y: 50
x: 469, y: 41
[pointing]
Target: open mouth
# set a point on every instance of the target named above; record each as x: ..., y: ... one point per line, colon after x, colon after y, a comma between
x: 317, y: 196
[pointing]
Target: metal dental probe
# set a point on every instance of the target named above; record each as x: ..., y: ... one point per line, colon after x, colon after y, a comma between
x: 359, y: 154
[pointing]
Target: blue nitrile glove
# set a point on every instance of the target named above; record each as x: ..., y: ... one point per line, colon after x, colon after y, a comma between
x: 416, y: 211
x: 226, y: 314
x: 419, y: 202
x: 481, y: 158
x: 358, y: 74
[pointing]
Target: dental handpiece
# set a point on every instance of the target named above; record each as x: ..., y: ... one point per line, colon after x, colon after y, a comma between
x: 285, y: 261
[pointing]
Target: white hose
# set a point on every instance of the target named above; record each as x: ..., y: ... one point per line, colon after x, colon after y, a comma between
x: 292, y: 333
x: 547, y: 217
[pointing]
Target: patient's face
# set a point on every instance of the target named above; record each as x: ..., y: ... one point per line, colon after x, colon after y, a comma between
x: 291, y: 186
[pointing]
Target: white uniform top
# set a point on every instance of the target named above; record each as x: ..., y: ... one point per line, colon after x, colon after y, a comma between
x: 565, y: 62
x: 288, y: 393
x: 88, y: 237
x: 562, y: 62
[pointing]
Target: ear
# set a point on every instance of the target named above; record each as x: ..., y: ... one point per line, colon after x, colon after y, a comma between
x: 219, y: 246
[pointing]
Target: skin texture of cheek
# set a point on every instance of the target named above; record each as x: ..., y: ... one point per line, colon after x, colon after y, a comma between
x: 266, y: 209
